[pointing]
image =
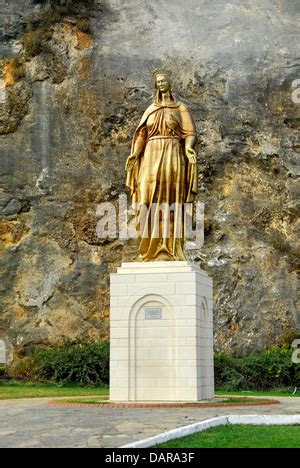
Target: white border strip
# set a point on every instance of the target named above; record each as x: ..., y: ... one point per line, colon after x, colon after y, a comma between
x: 183, y: 431
x: 265, y: 420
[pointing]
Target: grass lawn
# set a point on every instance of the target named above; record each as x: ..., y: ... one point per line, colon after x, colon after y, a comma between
x: 240, y: 436
x: 280, y: 392
x: 12, y: 390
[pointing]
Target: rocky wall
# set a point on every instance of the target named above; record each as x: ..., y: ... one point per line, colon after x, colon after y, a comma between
x: 71, y: 95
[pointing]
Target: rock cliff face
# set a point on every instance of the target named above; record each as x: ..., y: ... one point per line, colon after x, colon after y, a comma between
x: 73, y: 86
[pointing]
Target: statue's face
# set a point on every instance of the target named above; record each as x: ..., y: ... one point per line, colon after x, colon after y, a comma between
x: 162, y: 83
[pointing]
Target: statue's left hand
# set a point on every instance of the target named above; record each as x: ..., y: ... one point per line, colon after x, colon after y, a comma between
x: 131, y: 160
x: 191, y: 155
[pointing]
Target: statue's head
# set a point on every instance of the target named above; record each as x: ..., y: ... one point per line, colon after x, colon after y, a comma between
x: 163, y: 83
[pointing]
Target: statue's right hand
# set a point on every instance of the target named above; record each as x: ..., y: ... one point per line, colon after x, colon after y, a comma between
x: 131, y: 160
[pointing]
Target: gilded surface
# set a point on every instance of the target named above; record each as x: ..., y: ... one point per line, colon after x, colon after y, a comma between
x: 161, y: 172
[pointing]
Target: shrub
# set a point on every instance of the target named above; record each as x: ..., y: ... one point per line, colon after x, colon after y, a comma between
x: 69, y: 4
x: 83, y: 24
x: 85, y: 363
x: 3, y: 373
x: 43, y: 20
x: 17, y: 69
x: 261, y: 371
x: 226, y: 376
x: 32, y: 42
x: 280, y: 242
x: 271, y: 368
x: 22, y: 369
x: 40, y: 24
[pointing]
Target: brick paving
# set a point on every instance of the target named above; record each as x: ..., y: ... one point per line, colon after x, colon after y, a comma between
x: 160, y: 405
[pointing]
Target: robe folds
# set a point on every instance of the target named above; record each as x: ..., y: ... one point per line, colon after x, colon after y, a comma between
x: 162, y: 178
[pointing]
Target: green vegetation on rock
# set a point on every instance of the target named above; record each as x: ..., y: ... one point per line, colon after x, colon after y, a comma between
x: 40, y: 24
x: 85, y: 363
x: 260, y: 371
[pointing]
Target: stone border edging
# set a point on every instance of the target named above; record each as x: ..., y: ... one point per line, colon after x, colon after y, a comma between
x: 183, y: 431
x: 161, y: 405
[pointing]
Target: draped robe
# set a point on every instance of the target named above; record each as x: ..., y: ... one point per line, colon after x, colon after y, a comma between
x: 162, y: 177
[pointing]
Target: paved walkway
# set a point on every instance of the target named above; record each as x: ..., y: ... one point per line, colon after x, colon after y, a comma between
x: 32, y: 423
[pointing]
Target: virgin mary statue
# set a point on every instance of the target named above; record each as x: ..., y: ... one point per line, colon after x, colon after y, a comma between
x: 162, y: 173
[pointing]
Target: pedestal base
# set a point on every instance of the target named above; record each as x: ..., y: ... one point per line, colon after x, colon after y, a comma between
x: 161, y: 333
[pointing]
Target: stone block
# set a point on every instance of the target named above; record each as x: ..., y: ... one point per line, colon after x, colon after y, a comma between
x: 160, y: 332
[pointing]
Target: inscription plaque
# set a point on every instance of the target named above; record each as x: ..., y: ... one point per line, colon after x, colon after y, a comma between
x: 153, y: 313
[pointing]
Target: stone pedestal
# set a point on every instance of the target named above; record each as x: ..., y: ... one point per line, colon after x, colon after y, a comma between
x: 161, y: 333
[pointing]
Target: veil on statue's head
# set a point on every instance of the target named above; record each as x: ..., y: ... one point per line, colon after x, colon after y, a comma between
x: 168, y: 74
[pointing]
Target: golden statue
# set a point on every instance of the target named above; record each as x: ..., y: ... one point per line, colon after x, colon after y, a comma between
x: 161, y: 171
